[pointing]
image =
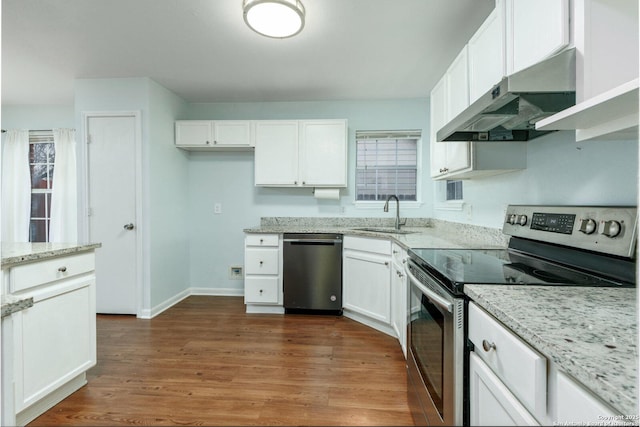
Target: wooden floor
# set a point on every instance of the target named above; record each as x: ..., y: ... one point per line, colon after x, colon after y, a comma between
x: 205, y: 362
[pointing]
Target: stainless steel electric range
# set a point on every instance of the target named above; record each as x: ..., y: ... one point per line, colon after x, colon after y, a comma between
x: 549, y: 245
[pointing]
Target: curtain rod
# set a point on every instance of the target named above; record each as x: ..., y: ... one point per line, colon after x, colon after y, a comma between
x: 33, y: 130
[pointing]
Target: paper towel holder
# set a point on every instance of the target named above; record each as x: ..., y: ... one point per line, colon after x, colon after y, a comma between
x: 326, y: 193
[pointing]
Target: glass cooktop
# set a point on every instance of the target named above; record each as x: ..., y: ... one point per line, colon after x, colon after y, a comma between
x: 456, y: 267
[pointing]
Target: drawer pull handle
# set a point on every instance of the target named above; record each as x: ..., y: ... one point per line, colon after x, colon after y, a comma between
x: 62, y: 269
x: 487, y: 346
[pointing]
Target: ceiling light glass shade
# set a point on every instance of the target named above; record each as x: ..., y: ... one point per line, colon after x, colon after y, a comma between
x: 274, y: 18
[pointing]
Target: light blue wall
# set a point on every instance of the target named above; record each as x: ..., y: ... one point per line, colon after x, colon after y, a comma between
x: 169, y: 198
x: 216, y: 241
x: 559, y: 171
x: 164, y: 171
x: 37, y: 117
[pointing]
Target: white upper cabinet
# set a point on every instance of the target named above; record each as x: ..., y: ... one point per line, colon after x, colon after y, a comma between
x: 457, y: 87
x: 606, y: 41
x: 276, y: 155
x: 194, y: 133
x: 214, y: 134
x: 323, y: 153
x: 301, y: 153
x: 535, y: 30
x: 446, y: 157
x: 487, y: 54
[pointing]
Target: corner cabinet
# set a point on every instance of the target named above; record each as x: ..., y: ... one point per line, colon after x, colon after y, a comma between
x: 366, y: 282
x: 467, y: 159
x: 205, y: 135
x: 301, y: 153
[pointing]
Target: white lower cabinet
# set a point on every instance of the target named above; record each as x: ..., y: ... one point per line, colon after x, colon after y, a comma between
x: 51, y: 344
x: 491, y: 402
x: 399, y: 295
x: 367, y: 281
x: 510, y: 383
x: 263, y: 278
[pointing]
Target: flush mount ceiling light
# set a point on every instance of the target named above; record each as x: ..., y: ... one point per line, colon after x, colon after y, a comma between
x: 274, y: 18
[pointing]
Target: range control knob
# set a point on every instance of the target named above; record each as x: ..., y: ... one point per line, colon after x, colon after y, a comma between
x: 611, y: 228
x: 513, y: 219
x: 587, y: 226
x: 522, y: 220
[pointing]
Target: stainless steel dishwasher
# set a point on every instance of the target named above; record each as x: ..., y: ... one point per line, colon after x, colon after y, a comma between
x: 312, y: 277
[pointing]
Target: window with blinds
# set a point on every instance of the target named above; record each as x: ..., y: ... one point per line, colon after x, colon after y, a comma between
x: 386, y: 165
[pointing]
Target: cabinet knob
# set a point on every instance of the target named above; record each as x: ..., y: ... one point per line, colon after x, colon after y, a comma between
x: 487, y: 346
x: 386, y: 263
x: 260, y: 291
x: 261, y: 262
x: 215, y: 142
x: 303, y: 182
x: 207, y: 142
x: 261, y: 240
x: 295, y: 182
x: 62, y: 269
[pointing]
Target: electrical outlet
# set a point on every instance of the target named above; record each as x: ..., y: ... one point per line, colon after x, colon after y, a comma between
x: 217, y: 208
x: 235, y: 272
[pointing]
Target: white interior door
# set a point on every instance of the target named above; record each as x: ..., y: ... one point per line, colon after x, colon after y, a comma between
x: 111, y: 170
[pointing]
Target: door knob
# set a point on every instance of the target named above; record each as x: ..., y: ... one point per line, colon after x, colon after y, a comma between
x: 128, y: 226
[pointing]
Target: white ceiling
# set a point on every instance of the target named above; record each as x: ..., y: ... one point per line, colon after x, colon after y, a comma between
x: 203, y: 51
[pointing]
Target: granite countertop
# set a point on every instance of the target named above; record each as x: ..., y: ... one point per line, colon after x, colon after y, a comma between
x: 20, y: 253
x: 418, y: 233
x: 590, y: 333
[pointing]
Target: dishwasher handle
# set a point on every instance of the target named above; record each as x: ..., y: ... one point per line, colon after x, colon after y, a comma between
x: 312, y: 241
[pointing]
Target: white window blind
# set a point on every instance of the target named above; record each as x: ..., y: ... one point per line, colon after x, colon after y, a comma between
x: 387, y: 164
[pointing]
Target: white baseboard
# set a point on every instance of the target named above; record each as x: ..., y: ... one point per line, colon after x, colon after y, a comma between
x: 150, y: 314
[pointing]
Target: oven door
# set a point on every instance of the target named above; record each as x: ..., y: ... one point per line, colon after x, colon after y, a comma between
x: 436, y: 352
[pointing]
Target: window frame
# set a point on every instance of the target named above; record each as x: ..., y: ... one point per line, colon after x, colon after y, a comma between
x: 42, y: 137
x: 402, y: 134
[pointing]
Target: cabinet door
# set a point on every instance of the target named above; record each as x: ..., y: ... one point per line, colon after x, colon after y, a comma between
x: 232, y: 132
x: 446, y: 157
x: 367, y: 285
x: 55, y: 339
x: 276, y: 153
x: 323, y: 153
x: 578, y: 406
x: 486, y: 54
x: 194, y: 132
x: 535, y: 30
x: 458, y: 85
x: 490, y: 401
x: 399, y: 305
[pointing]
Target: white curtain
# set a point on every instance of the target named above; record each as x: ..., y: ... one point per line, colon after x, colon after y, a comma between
x: 16, y: 187
x: 64, y: 192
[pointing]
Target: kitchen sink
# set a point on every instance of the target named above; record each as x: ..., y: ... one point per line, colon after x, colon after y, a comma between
x: 385, y: 230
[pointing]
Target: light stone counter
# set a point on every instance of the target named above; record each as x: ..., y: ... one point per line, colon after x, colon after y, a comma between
x: 19, y: 253
x: 424, y: 232
x: 590, y: 333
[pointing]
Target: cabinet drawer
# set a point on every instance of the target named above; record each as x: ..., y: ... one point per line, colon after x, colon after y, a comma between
x: 521, y: 368
x: 261, y: 240
x: 261, y: 290
x: 379, y: 246
x: 261, y: 261
x: 26, y: 276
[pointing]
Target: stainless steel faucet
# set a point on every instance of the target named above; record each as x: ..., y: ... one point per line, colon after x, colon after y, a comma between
x: 386, y: 209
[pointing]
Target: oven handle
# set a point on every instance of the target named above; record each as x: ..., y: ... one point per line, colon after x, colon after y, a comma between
x: 437, y: 299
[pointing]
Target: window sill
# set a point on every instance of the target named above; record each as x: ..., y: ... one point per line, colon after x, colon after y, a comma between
x: 451, y: 205
x: 379, y: 204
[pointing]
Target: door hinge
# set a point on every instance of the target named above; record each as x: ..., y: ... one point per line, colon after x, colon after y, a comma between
x: 89, y: 211
x: 88, y: 139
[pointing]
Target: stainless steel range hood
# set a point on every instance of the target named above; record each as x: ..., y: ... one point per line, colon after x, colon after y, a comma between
x: 510, y: 110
